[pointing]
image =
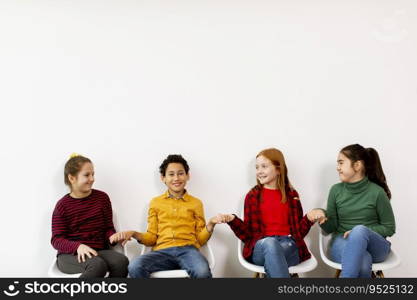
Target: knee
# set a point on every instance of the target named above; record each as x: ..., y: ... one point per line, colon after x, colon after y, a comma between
x: 120, y: 267
x: 122, y: 262
x: 137, y: 269
x: 97, y: 267
x: 200, y: 271
x: 359, y: 231
x: 270, y: 244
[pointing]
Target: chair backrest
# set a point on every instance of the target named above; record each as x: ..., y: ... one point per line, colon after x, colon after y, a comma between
x: 324, y: 240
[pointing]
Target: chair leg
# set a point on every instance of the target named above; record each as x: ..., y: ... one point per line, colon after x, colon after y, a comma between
x: 379, y: 274
x: 337, y: 273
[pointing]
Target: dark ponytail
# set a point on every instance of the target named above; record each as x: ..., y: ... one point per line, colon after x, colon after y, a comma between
x: 373, y: 167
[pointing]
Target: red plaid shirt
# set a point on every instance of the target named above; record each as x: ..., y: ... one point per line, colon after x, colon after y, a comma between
x: 252, y: 228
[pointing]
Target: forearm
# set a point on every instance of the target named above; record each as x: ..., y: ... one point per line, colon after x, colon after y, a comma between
x: 146, y: 238
x: 330, y: 225
x: 203, y: 236
x: 65, y: 246
x: 210, y: 227
x: 384, y: 230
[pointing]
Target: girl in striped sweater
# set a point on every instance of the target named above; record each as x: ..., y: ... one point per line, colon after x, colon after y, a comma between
x: 82, y: 226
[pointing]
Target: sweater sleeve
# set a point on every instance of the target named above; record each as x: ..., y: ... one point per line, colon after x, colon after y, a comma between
x: 108, y: 215
x: 386, y: 225
x: 60, y: 231
x: 303, y: 220
x: 332, y: 222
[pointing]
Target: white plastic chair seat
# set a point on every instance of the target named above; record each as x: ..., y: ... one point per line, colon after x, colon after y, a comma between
x: 303, y: 267
x: 205, y: 250
x: 390, y: 262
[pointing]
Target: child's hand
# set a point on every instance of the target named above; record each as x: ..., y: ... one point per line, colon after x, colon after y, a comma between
x: 222, y: 218
x: 346, y: 234
x: 122, y: 236
x: 217, y: 219
x: 229, y: 218
x: 83, y: 251
x: 315, y: 215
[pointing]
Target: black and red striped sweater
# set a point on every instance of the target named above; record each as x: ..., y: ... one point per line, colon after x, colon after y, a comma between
x: 87, y: 221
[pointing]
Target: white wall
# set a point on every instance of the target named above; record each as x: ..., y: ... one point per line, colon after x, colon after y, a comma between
x: 128, y: 82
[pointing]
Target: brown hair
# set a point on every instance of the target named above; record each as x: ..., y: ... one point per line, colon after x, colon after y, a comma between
x: 277, y: 159
x: 73, y: 167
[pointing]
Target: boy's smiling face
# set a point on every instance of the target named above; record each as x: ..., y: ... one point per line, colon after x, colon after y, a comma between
x: 175, y: 179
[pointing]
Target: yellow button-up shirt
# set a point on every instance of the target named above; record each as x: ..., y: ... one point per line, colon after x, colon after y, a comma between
x: 174, y: 222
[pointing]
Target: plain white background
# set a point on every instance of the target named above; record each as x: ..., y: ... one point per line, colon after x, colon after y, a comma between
x: 128, y: 82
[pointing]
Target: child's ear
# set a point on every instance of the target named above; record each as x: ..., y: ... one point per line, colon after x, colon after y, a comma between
x: 278, y: 171
x: 163, y: 178
x: 358, y: 165
x: 72, y: 179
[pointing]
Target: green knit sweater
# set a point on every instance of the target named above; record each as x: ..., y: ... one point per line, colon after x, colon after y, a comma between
x: 360, y: 203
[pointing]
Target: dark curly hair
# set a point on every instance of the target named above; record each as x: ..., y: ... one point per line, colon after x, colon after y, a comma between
x: 173, y: 158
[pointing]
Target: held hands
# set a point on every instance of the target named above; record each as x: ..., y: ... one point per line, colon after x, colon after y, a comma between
x: 84, y: 250
x: 219, y: 219
x: 315, y: 215
x: 222, y: 218
x: 122, y: 236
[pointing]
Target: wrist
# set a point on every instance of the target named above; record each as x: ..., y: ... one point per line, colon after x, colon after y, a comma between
x: 137, y: 236
x: 210, y: 227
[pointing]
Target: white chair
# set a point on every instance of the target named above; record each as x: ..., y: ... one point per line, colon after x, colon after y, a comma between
x: 205, y: 250
x: 391, y: 262
x: 303, y: 267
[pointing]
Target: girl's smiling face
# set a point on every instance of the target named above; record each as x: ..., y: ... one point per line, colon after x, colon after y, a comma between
x: 266, y: 172
x: 349, y: 172
x: 82, y: 183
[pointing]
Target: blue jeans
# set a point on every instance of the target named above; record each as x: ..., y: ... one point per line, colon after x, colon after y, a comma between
x: 187, y: 258
x: 358, y: 251
x: 276, y: 253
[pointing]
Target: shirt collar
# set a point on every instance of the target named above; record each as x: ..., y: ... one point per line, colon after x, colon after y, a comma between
x: 185, y: 197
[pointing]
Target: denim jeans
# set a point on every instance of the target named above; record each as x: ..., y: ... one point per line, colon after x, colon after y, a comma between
x: 187, y: 258
x: 276, y: 254
x: 358, y: 251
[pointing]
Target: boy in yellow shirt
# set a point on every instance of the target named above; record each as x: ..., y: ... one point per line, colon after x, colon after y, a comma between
x: 176, y: 228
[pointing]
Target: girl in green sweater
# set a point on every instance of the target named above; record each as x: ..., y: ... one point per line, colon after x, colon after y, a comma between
x: 359, y: 212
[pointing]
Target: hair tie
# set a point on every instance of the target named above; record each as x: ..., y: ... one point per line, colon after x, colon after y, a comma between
x: 74, y: 155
